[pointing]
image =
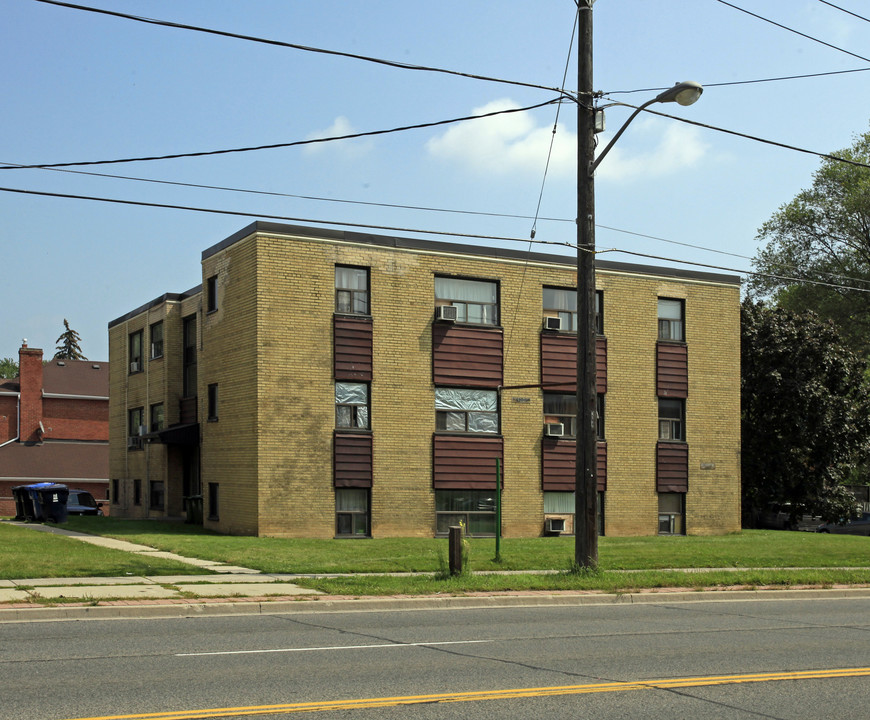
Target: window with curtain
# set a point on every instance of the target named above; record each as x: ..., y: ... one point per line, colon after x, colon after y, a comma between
x: 476, y: 301
x: 671, y: 320
x: 351, y: 290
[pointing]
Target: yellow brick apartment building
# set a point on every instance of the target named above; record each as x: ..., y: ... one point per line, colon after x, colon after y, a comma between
x: 323, y: 383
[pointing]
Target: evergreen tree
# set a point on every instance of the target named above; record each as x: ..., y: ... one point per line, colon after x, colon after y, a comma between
x: 8, y: 368
x: 68, y: 345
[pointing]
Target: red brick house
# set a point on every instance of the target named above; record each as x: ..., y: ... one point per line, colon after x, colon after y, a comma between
x: 54, y: 425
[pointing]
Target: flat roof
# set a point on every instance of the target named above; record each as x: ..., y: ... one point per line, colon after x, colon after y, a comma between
x: 496, y: 253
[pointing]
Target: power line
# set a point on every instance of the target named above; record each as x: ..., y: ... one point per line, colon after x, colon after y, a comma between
x: 274, y: 146
x: 848, y: 12
x: 825, y: 156
x: 748, y: 82
x: 216, y: 211
x: 792, y: 30
x: 292, y: 46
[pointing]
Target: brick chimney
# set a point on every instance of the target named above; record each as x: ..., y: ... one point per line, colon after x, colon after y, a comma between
x: 30, y: 379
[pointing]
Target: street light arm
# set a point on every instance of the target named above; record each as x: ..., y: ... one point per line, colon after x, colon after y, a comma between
x: 684, y: 93
x: 618, y: 135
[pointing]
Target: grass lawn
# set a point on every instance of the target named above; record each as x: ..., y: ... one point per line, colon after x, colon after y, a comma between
x: 27, y: 553
x: 772, y: 558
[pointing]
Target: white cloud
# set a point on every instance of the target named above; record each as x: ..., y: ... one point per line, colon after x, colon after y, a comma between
x: 349, y: 148
x: 505, y: 144
x: 514, y: 143
x: 669, y: 148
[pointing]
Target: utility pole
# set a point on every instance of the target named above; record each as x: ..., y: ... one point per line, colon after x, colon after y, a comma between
x: 586, y: 481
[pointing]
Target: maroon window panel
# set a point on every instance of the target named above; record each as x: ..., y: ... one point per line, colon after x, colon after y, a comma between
x: 558, y: 460
x: 467, y: 356
x: 672, y: 467
x: 559, y: 363
x: 352, y: 460
x: 352, y: 348
x: 672, y: 370
x: 466, y: 462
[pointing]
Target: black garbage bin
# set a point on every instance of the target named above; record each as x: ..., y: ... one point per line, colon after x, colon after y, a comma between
x: 194, y: 509
x: 49, y: 501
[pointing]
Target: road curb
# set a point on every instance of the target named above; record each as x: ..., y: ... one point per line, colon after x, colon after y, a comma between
x: 323, y: 604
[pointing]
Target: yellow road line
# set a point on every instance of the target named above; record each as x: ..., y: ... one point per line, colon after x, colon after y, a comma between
x: 478, y: 695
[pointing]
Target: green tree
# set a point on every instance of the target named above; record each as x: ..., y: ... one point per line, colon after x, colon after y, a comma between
x: 68, y: 345
x: 805, y: 413
x: 823, y: 236
x: 8, y: 368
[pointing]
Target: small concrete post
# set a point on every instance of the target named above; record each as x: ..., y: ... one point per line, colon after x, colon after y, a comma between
x: 455, y: 551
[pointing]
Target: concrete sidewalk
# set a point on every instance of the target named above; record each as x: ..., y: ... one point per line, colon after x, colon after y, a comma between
x: 229, y: 581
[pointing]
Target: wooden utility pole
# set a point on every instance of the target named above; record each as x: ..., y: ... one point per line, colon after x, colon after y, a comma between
x: 586, y: 482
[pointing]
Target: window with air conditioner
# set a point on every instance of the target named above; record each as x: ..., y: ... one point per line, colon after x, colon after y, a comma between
x: 134, y: 351
x: 135, y: 423
x: 560, y: 310
x: 475, y: 301
x: 672, y: 419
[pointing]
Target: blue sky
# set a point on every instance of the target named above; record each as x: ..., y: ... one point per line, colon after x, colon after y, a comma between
x: 78, y: 86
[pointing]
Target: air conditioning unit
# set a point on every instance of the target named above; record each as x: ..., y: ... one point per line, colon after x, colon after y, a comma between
x: 554, y: 429
x: 552, y: 323
x: 555, y: 525
x: 446, y: 313
x: 133, y: 441
x: 134, y: 366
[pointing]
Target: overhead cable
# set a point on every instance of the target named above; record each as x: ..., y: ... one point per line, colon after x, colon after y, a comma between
x: 274, y: 146
x: 792, y: 30
x: 292, y: 46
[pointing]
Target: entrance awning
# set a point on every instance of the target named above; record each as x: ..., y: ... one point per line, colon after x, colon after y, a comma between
x: 175, y: 435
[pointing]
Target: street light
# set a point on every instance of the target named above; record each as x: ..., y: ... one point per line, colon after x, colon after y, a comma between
x: 585, y: 480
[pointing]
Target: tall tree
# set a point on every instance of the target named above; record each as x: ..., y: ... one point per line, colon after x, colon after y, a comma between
x: 823, y: 236
x: 8, y: 368
x: 805, y: 413
x: 68, y: 345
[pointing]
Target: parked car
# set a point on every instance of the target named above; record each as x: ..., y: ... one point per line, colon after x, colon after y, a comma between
x: 81, y: 502
x: 777, y: 516
x: 859, y: 525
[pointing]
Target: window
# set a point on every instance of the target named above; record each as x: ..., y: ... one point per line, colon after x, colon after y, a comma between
x: 476, y: 301
x: 562, y: 408
x: 189, y: 357
x: 157, y: 340
x: 211, y: 303
x: 672, y: 419
x: 135, y: 428
x: 562, y: 303
x: 672, y: 512
x: 213, y: 501
x: 116, y: 491
x: 213, y: 402
x: 474, y: 509
x: 137, y: 491
x: 352, y: 512
x: 671, y: 322
x: 156, y: 495
x: 156, y: 424
x: 351, y: 290
x: 562, y: 503
x: 135, y: 352
x: 352, y: 405
x: 472, y: 411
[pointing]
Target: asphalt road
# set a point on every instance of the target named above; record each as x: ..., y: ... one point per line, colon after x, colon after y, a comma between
x: 746, y: 659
